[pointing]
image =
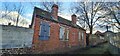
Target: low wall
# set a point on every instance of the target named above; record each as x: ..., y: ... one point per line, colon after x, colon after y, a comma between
x: 114, y: 50
x: 16, y: 51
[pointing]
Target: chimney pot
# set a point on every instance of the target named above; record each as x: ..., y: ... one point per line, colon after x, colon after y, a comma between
x: 54, y: 11
x: 74, y: 19
x: 54, y: 5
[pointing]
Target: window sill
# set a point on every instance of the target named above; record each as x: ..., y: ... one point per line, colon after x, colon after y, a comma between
x: 64, y: 40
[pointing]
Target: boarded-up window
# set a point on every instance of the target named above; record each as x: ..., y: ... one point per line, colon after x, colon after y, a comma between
x: 44, y: 31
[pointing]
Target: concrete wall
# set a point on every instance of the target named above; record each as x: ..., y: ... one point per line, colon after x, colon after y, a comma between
x: 114, y: 39
x: 114, y: 43
x: 15, y: 37
x: 113, y: 49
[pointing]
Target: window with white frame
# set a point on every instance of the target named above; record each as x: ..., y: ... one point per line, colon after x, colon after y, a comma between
x: 64, y: 33
x: 82, y: 35
x: 79, y: 37
x: 67, y: 34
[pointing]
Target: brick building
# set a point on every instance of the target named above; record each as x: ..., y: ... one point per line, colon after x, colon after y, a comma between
x: 54, y: 32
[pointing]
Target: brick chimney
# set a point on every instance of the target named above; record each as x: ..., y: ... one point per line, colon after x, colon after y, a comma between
x: 74, y: 19
x: 54, y: 12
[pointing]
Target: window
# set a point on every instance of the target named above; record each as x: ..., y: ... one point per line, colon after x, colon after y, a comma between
x: 64, y: 33
x: 44, y: 31
x: 79, y: 36
x: 82, y: 35
x: 67, y: 34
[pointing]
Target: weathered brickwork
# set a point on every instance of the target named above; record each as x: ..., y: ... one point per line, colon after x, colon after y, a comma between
x: 54, y: 41
x: 63, y: 33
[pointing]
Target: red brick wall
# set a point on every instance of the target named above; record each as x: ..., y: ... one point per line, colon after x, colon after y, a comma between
x: 54, y: 42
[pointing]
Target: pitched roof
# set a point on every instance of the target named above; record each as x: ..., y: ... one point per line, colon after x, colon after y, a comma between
x: 47, y: 15
x: 98, y: 32
x: 108, y: 32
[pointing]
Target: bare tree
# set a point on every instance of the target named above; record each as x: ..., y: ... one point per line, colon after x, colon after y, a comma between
x: 114, y: 13
x: 5, y: 7
x: 19, y: 9
x: 88, y: 13
x: 47, y: 5
x: 6, y: 11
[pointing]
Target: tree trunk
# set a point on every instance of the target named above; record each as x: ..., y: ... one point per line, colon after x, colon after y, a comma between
x: 87, y: 40
x: 17, y: 20
x: 88, y: 36
x: 91, y: 29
